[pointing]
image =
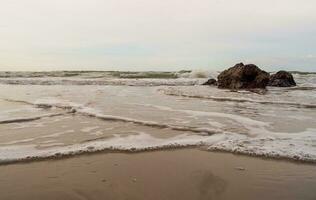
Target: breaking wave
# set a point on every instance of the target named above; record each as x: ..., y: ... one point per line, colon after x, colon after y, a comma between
x: 199, y: 74
x: 265, y: 147
x: 98, y: 81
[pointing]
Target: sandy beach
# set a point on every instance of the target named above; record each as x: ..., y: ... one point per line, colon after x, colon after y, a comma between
x: 175, y: 174
x: 158, y: 100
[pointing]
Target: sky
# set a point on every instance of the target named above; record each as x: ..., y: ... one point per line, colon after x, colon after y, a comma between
x: 162, y: 35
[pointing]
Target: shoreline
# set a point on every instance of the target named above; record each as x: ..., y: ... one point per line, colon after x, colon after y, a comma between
x: 153, y: 150
x: 172, y: 174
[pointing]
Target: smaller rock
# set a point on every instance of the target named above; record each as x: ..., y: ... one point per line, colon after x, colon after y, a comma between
x: 282, y: 79
x: 210, y: 82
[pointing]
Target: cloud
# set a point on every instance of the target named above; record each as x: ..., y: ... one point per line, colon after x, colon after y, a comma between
x: 152, y: 34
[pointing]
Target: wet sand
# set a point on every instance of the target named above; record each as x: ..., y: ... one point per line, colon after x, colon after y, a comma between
x: 177, y: 174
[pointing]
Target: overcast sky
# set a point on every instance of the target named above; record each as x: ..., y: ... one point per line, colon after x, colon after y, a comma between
x: 157, y: 34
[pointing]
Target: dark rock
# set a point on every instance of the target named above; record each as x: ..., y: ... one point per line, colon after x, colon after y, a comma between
x: 210, y: 82
x: 282, y: 79
x: 243, y: 77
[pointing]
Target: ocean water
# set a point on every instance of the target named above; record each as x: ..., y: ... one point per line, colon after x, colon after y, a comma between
x: 55, y: 114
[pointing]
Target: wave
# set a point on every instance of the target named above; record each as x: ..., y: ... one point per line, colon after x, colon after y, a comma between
x: 120, y: 74
x: 151, y: 124
x: 132, y: 143
x: 296, y: 147
x: 258, y: 142
x: 238, y: 100
x: 303, y: 73
x: 86, y: 111
x: 198, y: 74
x: 249, y: 123
x: 254, y: 127
x: 114, y: 82
x: 303, y: 88
x: 144, y: 142
x: 94, y: 74
x: 28, y: 119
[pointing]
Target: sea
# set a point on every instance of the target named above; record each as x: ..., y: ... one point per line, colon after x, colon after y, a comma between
x: 51, y: 115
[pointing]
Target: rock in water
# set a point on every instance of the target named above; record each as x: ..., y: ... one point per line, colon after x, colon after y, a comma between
x: 210, y: 82
x: 243, y: 77
x: 282, y: 79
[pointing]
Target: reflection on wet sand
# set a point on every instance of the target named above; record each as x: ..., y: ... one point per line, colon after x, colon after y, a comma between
x: 209, y: 185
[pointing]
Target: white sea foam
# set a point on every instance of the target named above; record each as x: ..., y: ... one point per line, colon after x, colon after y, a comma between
x: 258, y: 142
x: 90, y: 112
x: 299, y: 146
x: 255, y: 127
x: 192, y: 94
x: 140, y: 142
x: 199, y: 74
x: 272, y: 147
